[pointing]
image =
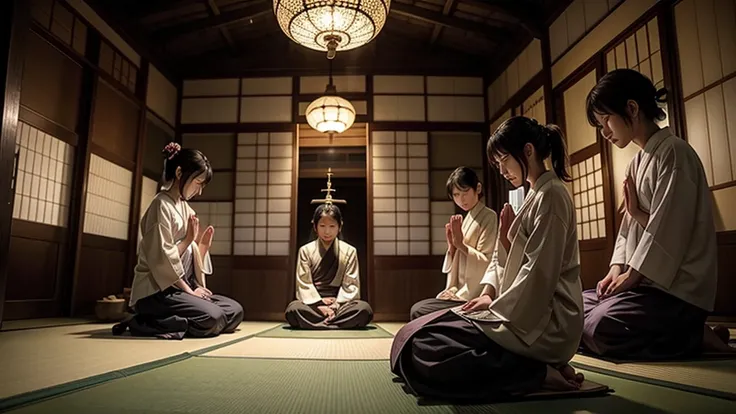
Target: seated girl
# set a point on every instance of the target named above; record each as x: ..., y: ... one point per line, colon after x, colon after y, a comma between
x: 661, y: 285
x: 169, y: 293
x: 470, y: 244
x: 518, y: 336
x: 328, y: 279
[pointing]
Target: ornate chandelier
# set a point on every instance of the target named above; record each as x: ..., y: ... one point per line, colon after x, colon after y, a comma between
x: 330, y: 113
x: 331, y: 25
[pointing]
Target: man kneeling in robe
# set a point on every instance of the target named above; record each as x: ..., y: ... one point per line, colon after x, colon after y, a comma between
x: 328, y: 279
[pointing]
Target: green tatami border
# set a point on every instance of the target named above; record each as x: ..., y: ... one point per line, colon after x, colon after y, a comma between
x: 652, y: 381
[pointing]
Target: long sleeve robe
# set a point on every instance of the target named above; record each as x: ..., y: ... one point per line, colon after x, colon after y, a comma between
x: 346, y: 277
x: 676, y: 251
x: 538, y: 308
x: 159, y: 263
x: 465, y: 271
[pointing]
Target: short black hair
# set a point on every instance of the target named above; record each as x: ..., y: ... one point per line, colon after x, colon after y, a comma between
x: 463, y: 178
x: 193, y: 163
x: 613, y: 92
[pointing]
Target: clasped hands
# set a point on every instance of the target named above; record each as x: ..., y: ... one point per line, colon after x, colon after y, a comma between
x: 329, y: 309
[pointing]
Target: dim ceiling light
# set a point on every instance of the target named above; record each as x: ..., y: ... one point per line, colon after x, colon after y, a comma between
x: 331, y: 25
x: 330, y: 113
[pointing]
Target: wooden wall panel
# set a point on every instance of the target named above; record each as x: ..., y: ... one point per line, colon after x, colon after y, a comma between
x: 35, y: 264
x: 399, y: 282
x: 102, y: 272
x: 726, y: 291
x: 115, y: 122
x: 51, y: 83
x: 262, y: 286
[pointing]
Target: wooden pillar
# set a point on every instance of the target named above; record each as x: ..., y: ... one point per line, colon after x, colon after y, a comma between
x: 135, y: 197
x: 14, y: 21
x: 82, y: 154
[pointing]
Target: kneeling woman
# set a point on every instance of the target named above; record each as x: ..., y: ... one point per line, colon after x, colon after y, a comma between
x: 169, y: 293
x: 518, y: 336
x: 328, y: 279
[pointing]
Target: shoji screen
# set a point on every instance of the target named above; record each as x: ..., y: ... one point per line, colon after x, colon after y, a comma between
x: 706, y: 36
x: 263, y: 194
x: 108, y: 199
x: 527, y: 65
x: 398, y: 98
x: 44, y: 176
x: 577, y: 20
x: 533, y: 107
x: 639, y: 51
x: 455, y: 99
x: 400, y: 193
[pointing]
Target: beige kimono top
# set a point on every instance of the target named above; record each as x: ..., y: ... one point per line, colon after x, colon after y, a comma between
x: 347, y: 276
x: 676, y: 251
x: 465, y: 271
x: 538, y: 308
x: 159, y: 264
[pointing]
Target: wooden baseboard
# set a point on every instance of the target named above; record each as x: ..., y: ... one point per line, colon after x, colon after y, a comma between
x: 265, y: 316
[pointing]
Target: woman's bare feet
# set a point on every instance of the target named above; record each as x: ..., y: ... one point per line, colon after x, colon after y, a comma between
x: 562, y: 379
x: 716, y: 340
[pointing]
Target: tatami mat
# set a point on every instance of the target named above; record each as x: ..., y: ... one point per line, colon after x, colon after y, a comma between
x: 42, y: 323
x: 38, y: 358
x: 391, y: 327
x: 299, y: 348
x: 219, y: 385
x: 709, y: 377
x: 284, y: 331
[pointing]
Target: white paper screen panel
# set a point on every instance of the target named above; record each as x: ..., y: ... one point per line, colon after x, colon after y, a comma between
x: 455, y: 109
x: 210, y: 87
x: 448, y: 85
x: 500, y: 120
x: 219, y: 216
x: 706, y: 33
x: 384, y: 84
x: 161, y: 96
x: 316, y: 84
x: 263, y: 194
x: 44, y: 177
x: 577, y: 20
x: 267, y: 86
x: 209, y: 110
x: 579, y: 133
x: 534, y: 107
x: 401, y: 211
x: 588, y: 198
x: 398, y: 108
x: 108, y: 199
x: 518, y: 74
x: 266, y: 109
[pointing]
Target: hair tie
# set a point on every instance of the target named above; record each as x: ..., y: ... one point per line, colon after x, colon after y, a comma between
x: 171, y: 149
x: 661, y: 95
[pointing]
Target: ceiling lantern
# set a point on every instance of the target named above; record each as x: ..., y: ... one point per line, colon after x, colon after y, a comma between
x: 330, y: 113
x: 331, y: 25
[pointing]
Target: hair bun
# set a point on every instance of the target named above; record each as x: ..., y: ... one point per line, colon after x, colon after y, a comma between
x: 170, y: 150
x: 661, y: 95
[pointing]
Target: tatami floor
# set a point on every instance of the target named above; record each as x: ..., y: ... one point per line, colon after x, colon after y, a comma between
x: 78, y: 366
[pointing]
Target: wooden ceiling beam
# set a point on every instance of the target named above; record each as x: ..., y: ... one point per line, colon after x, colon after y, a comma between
x: 447, y: 21
x: 446, y: 10
x: 527, y: 14
x: 215, y: 11
x: 255, y: 10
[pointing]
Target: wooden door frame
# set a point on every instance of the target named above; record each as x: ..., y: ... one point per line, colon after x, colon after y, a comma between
x: 14, y: 21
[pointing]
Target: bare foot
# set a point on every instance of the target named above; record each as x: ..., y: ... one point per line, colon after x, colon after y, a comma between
x: 713, y: 340
x: 556, y: 381
x: 569, y: 373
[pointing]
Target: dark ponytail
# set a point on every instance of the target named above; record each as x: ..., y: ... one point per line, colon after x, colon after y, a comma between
x: 548, y: 141
x: 193, y: 163
x: 557, y: 151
